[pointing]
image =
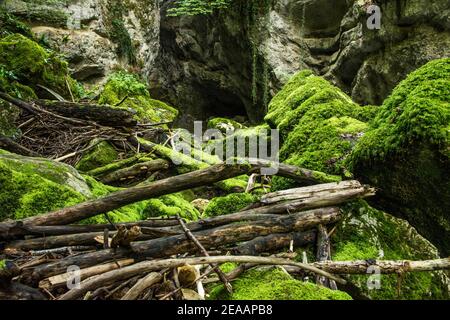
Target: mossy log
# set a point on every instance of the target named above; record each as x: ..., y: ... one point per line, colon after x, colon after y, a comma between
x: 323, y: 253
x: 135, y: 170
x: 102, y: 115
x: 274, y: 242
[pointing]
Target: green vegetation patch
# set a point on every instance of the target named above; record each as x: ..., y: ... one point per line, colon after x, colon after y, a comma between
x: 229, y: 204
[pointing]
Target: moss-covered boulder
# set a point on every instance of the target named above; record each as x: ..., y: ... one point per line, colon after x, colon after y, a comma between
x: 366, y: 233
x: 319, y: 124
x: 33, y: 65
x: 122, y: 85
x: 274, y: 284
x: 30, y: 186
x: 405, y: 153
x: 229, y: 204
x: 170, y: 206
x: 102, y: 154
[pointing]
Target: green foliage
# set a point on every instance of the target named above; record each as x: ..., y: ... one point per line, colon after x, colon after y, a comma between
x: 274, y: 284
x: 10, y: 24
x: 123, y: 85
x: 197, y: 7
x: 102, y: 154
x: 229, y: 204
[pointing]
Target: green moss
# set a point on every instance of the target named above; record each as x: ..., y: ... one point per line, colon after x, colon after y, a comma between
x: 2, y: 264
x: 224, y: 124
x: 31, y: 64
x: 171, y: 205
x: 122, y: 85
x: 417, y: 111
x: 231, y: 203
x: 319, y: 125
x: 25, y: 193
x: 366, y: 233
x: 102, y: 154
x: 274, y: 284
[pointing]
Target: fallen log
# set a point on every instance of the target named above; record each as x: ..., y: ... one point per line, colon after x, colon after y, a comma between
x: 168, y: 246
x: 149, y: 266
x: 135, y: 170
x: 102, y: 115
x: 384, y: 266
x: 148, y: 226
x: 61, y: 279
x: 131, y: 195
x: 229, y: 234
x: 336, y: 189
x: 274, y: 242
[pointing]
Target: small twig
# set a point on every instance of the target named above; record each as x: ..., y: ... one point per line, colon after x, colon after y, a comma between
x: 121, y: 101
x: 70, y: 90
x: 215, y: 267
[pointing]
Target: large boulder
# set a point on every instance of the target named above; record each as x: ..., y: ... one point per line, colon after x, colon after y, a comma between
x: 405, y: 153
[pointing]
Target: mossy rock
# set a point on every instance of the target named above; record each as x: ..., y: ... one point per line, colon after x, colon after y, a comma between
x: 101, y: 155
x: 405, y: 153
x: 274, y: 284
x: 10, y: 24
x: 123, y: 85
x: 319, y: 125
x: 32, y: 65
x: 366, y: 233
x: 32, y: 186
x: 229, y: 204
x: 170, y: 206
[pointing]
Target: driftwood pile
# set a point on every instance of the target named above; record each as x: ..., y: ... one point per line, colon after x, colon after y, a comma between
x: 51, y: 257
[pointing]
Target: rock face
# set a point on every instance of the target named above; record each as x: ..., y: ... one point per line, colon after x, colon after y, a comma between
x: 239, y: 58
x: 232, y: 62
x: 95, y: 35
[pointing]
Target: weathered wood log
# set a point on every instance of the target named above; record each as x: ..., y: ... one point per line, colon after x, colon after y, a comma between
x: 102, y: 115
x: 323, y: 254
x: 384, y: 266
x: 135, y: 170
x: 135, y: 194
x: 229, y: 234
x: 148, y: 226
x: 149, y: 266
x: 100, y: 171
x: 274, y: 242
x: 217, y: 237
x: 141, y: 285
x: 61, y: 279
x: 12, y: 146
x: 335, y: 189
x: 19, y: 103
x: 76, y: 239
x: 300, y: 175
